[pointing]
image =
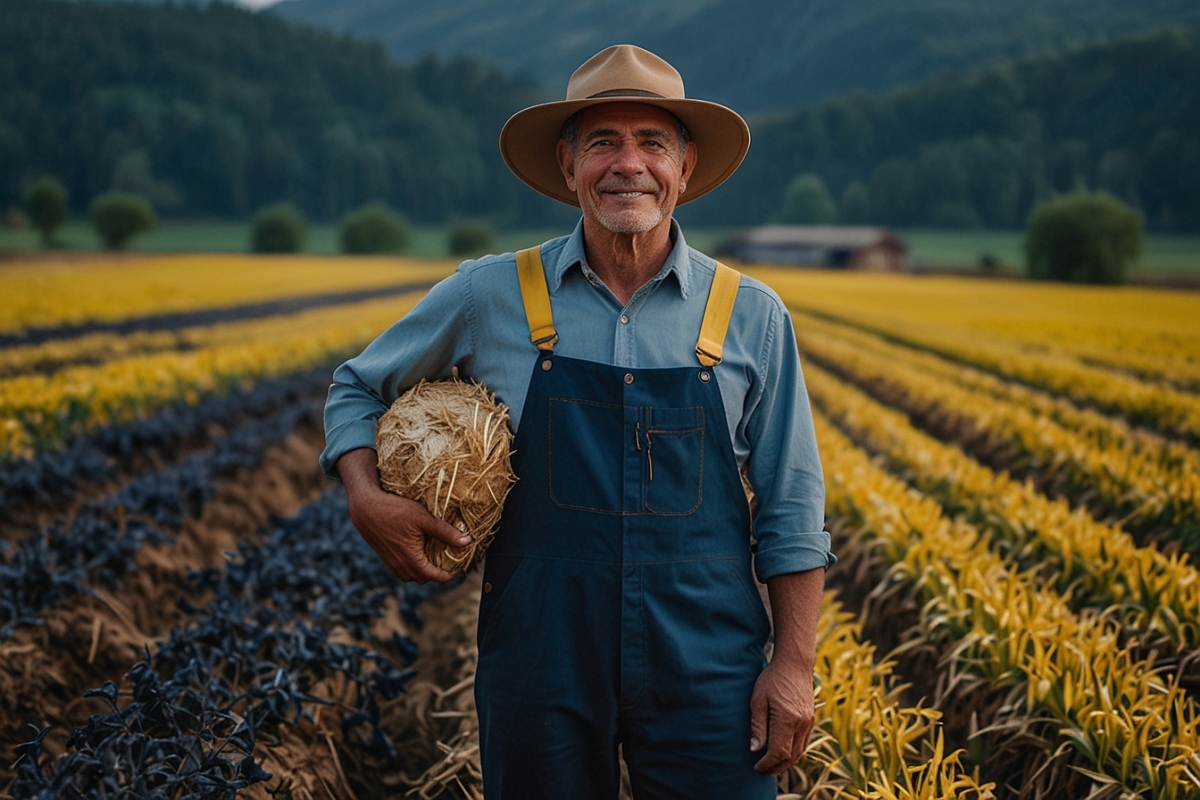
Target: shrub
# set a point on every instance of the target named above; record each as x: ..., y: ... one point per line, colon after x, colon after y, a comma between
x: 278, y: 228
x: 807, y: 201
x: 855, y: 207
x: 1082, y: 237
x: 471, y: 238
x: 119, y: 216
x: 46, y: 202
x: 375, y: 228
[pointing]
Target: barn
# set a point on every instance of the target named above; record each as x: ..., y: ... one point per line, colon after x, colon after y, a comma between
x: 832, y: 246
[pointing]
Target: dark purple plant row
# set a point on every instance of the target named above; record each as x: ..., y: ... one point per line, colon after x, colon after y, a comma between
x: 53, y: 477
x: 99, y: 544
x: 208, y: 316
x: 246, y: 665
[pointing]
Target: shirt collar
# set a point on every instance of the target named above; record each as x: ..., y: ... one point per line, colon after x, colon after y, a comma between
x: 678, y: 262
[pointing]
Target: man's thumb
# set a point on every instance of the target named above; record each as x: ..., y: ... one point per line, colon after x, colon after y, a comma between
x: 758, y: 721
x: 449, y: 534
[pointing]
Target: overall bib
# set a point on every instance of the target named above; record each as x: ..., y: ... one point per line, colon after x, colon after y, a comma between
x: 619, y: 604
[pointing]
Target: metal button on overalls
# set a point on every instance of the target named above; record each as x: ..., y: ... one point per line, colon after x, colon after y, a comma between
x: 622, y: 606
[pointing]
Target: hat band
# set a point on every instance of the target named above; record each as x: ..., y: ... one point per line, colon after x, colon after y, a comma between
x: 625, y: 93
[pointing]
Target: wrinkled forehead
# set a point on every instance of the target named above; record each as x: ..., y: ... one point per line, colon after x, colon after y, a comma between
x: 623, y: 116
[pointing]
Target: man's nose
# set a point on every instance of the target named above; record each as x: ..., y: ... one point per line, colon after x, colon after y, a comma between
x: 628, y: 159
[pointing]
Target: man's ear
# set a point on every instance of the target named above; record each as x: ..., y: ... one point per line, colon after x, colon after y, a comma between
x: 566, y: 162
x: 690, y: 157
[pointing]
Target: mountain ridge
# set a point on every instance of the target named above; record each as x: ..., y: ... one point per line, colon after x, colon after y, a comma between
x: 769, y: 56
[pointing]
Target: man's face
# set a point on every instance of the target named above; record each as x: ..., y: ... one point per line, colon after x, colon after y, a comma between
x: 627, y: 167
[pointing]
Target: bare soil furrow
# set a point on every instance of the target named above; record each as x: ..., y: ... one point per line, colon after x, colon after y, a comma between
x: 98, y: 636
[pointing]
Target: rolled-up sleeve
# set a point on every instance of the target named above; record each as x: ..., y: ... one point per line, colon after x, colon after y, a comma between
x: 784, y: 467
x: 428, y: 342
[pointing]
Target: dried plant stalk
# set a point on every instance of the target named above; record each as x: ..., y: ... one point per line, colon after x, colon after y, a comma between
x: 447, y: 445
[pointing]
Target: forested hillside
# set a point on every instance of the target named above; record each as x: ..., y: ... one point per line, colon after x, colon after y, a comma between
x: 214, y: 111
x: 754, y: 55
x: 1124, y: 117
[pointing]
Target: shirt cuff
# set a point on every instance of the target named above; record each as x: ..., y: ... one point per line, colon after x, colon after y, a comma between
x: 797, y: 552
x: 343, y: 439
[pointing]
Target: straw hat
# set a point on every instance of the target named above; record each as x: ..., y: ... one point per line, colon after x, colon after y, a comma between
x: 621, y: 74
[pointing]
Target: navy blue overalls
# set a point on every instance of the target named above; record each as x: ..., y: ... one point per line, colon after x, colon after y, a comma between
x: 619, y: 604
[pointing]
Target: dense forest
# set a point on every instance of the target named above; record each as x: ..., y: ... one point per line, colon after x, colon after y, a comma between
x: 952, y: 151
x: 214, y: 111
x: 753, y: 55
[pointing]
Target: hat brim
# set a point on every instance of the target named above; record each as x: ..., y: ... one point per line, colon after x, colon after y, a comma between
x: 529, y: 142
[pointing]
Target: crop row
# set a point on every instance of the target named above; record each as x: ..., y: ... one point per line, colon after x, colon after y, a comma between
x: 1157, y: 596
x: 866, y: 743
x: 97, y: 545
x: 1144, y: 333
x: 1137, y: 486
x: 113, y: 450
x: 1066, y: 677
x: 259, y: 658
x: 44, y: 294
x: 1163, y: 408
x: 44, y: 412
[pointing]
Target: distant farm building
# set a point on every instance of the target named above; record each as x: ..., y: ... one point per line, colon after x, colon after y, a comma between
x: 818, y: 246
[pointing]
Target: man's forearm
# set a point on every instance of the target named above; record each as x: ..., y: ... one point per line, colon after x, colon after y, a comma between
x: 795, y: 605
x: 358, y: 469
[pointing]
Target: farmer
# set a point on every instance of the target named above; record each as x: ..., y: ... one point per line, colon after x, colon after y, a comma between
x: 619, y: 605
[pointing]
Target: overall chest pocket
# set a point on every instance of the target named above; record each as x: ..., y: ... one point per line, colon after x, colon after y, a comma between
x: 616, y: 460
x: 673, y: 471
x: 586, y: 455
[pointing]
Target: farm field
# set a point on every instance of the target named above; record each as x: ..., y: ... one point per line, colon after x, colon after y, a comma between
x: 1012, y: 470
x: 1165, y: 257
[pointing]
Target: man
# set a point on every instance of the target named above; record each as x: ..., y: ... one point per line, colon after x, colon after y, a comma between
x: 619, y: 604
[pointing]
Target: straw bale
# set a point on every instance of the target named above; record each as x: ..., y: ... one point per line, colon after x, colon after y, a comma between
x: 447, y: 445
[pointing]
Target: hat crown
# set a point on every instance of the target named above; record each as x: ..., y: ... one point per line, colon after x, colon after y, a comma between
x: 625, y: 70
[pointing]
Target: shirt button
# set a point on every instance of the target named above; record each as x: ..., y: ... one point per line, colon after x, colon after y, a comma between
x: 704, y: 375
x: 487, y: 587
x: 547, y: 364
x: 624, y: 320
x: 629, y: 377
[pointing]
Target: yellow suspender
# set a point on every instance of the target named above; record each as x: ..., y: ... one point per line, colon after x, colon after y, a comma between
x: 711, y: 345
x: 536, y: 297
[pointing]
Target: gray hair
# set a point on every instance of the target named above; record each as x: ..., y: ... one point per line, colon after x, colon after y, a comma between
x: 570, y: 131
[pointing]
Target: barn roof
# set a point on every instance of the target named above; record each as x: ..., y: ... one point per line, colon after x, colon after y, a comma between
x: 820, y: 236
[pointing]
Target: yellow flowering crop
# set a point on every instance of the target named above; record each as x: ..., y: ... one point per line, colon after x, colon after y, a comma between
x: 42, y: 411
x: 1133, y: 726
x: 41, y: 293
x: 1064, y: 339
x: 1139, y: 478
x: 1101, y: 564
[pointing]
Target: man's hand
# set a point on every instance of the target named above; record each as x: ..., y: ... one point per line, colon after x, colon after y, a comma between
x: 394, y: 526
x: 781, y: 707
x: 781, y: 715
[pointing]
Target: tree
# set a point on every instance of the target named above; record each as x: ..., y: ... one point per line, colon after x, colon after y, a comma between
x: 1082, y: 237
x: 278, y: 228
x: 375, y: 228
x: 470, y: 238
x: 807, y: 201
x: 855, y: 207
x: 119, y: 216
x: 46, y: 203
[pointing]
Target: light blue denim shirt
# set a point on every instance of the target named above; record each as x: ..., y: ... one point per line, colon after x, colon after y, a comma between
x: 474, y: 320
